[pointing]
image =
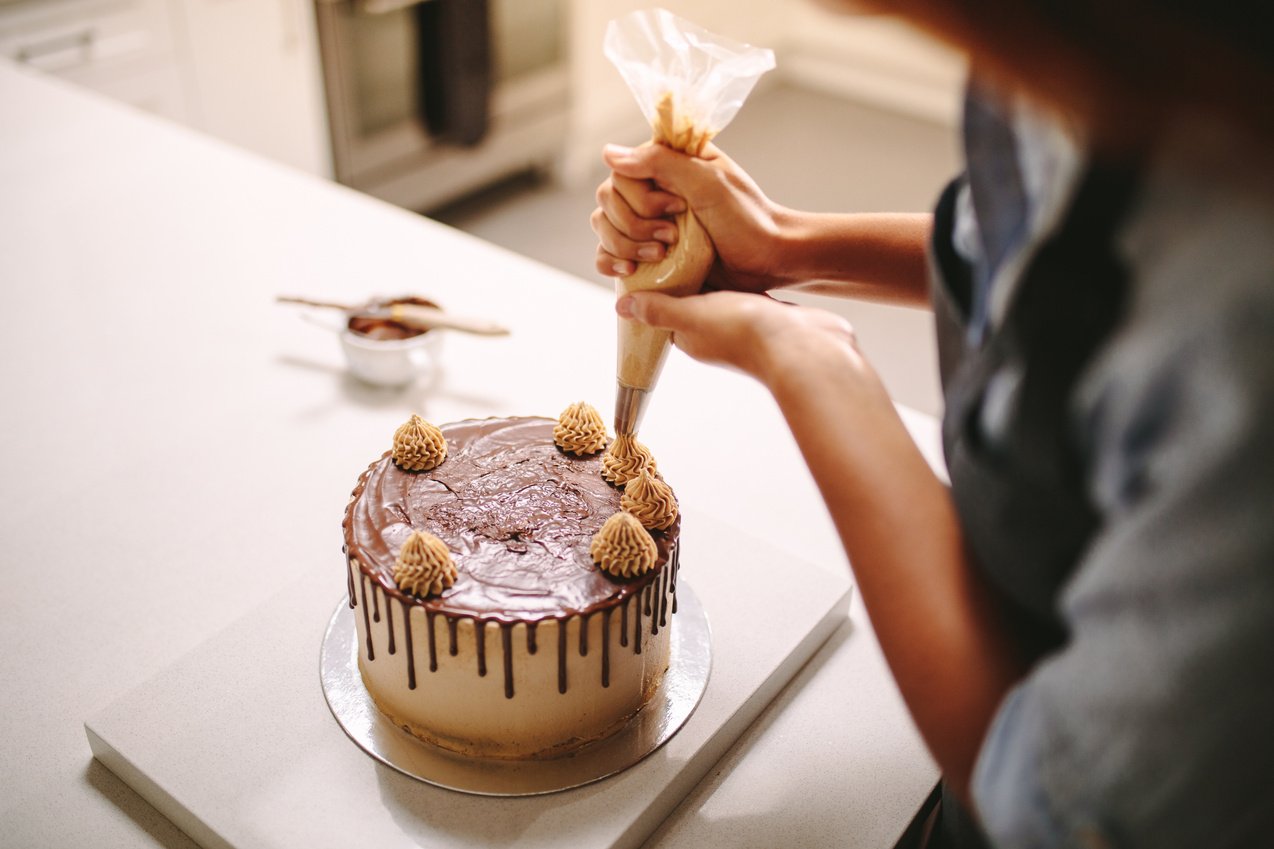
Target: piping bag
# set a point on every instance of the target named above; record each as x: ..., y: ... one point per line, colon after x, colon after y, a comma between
x: 689, y: 84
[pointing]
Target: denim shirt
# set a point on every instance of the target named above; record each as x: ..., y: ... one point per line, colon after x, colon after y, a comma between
x: 1107, y: 345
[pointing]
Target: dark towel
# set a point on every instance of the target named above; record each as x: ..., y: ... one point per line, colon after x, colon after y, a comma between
x: 455, y: 68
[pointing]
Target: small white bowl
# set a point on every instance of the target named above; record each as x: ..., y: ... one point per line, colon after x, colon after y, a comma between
x: 392, y: 362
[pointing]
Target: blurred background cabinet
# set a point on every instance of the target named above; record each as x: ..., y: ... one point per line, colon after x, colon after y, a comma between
x: 429, y: 100
x: 243, y: 70
x: 254, y: 77
x: 123, y: 48
x: 340, y: 88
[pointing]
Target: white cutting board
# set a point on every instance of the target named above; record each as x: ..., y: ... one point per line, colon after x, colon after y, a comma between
x: 235, y: 743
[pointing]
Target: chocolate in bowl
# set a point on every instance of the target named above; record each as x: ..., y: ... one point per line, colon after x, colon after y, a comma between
x: 385, y: 328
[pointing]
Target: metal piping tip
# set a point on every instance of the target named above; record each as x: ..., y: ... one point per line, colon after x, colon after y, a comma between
x: 630, y: 406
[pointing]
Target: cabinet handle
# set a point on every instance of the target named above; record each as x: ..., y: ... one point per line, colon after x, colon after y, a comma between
x: 384, y: 7
x: 58, y: 54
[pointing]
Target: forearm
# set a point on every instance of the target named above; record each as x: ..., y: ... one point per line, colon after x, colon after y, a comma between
x: 932, y: 614
x: 876, y: 256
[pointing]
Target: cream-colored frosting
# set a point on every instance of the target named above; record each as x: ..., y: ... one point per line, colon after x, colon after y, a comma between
x: 623, y: 547
x: 418, y: 445
x: 424, y: 565
x: 676, y: 129
x: 580, y: 430
x: 625, y: 459
x: 642, y: 349
x: 650, y: 500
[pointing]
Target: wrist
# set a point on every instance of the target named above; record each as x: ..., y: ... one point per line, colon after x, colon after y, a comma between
x: 793, y: 230
x: 809, y: 353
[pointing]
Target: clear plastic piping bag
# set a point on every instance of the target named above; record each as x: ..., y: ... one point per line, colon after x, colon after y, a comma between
x: 689, y: 83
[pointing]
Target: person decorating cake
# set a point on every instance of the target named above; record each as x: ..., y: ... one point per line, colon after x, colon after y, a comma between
x: 1082, y: 623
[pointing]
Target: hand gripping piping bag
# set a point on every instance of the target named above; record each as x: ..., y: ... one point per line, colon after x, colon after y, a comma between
x: 689, y: 84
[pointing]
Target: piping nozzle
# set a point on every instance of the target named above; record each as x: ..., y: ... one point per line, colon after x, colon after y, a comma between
x: 630, y: 406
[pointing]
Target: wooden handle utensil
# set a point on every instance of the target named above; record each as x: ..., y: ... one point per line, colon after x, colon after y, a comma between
x: 411, y: 315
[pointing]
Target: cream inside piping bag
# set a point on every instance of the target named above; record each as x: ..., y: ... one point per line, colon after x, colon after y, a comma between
x: 689, y: 83
x: 642, y: 349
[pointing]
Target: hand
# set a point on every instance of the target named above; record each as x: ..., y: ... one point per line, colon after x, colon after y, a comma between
x: 752, y: 333
x: 649, y: 184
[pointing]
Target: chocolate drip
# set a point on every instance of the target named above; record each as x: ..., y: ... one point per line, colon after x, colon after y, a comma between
x: 350, y: 569
x: 480, y: 641
x: 506, y: 643
x: 367, y: 625
x: 606, y: 647
x: 637, y: 625
x: 656, y: 593
x: 583, y: 636
x: 663, y: 599
x: 389, y: 621
x: 561, y: 655
x: 530, y: 637
x: 375, y: 605
x: 433, y: 643
x: 411, y: 654
x: 451, y: 635
x: 623, y: 624
x: 645, y: 600
x: 675, y: 563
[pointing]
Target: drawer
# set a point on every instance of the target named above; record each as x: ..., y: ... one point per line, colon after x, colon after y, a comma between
x: 61, y: 36
x: 157, y: 90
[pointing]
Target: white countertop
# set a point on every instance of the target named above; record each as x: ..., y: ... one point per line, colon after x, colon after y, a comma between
x: 177, y: 448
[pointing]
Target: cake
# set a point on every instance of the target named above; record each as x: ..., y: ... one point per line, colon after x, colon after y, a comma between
x: 501, y: 635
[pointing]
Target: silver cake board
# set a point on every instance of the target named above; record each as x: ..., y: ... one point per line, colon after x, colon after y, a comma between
x: 236, y: 745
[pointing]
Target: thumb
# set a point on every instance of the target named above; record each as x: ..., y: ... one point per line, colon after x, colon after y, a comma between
x: 679, y: 173
x: 653, y: 308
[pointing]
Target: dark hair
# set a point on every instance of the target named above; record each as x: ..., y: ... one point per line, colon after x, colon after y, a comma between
x: 1120, y: 66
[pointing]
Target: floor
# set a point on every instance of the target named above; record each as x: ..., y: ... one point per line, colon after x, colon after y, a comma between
x: 807, y: 150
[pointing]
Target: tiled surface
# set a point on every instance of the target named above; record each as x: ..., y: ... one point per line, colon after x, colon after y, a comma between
x: 807, y: 150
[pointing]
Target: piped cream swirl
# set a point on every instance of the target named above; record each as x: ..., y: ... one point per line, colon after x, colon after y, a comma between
x: 623, y: 547
x: 418, y: 445
x: 424, y: 565
x: 650, y: 500
x: 625, y: 459
x: 580, y: 430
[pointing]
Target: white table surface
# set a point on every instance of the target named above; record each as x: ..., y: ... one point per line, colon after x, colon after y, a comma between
x: 176, y: 448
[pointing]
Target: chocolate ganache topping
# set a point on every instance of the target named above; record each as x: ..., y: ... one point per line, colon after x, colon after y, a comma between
x: 518, y: 515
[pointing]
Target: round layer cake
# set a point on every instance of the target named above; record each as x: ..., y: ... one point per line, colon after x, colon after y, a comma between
x: 533, y: 651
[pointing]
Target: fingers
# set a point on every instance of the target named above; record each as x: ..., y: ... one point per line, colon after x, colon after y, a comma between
x: 629, y: 224
x: 632, y: 220
x: 658, y: 310
x: 617, y: 252
x: 609, y: 265
x: 676, y: 174
x: 625, y: 215
x: 710, y: 328
x: 644, y: 198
